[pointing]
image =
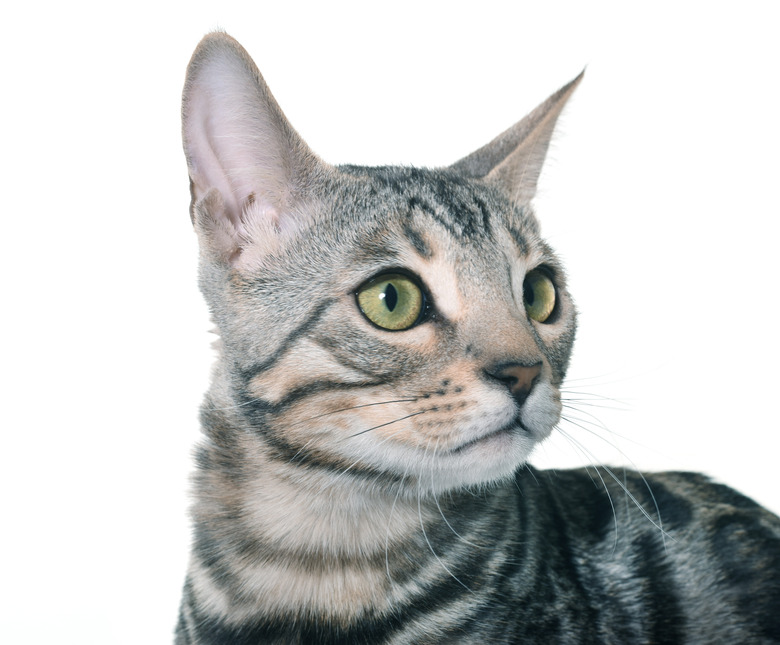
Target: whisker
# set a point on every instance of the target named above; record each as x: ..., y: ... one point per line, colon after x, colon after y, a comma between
x: 593, y: 378
x: 387, y: 438
x: 613, y: 377
x: 608, y: 470
x: 566, y: 401
x: 586, y: 453
x: 441, y: 512
x: 530, y: 470
x: 318, y: 416
x: 355, y: 407
x: 591, y: 396
x: 300, y: 450
x: 594, y: 421
x: 357, y: 461
x: 232, y: 407
x: 598, y: 423
x: 460, y: 537
x: 659, y: 524
x: 626, y: 457
x: 382, y: 425
x: 387, y: 531
x: 428, y: 542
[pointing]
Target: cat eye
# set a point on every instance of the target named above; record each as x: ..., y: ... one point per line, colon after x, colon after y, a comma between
x: 538, y: 295
x: 392, y: 301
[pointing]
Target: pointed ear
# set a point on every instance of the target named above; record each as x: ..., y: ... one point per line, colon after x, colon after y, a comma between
x: 514, y: 159
x: 238, y: 143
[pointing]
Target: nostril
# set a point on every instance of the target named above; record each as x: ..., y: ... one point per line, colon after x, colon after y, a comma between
x: 519, y: 378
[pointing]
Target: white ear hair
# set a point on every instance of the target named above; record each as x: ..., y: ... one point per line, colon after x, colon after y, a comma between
x: 238, y: 142
x: 514, y: 159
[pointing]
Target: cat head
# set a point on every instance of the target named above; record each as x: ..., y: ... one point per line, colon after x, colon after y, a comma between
x: 375, y: 321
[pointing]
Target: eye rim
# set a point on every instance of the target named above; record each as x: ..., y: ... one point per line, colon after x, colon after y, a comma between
x: 547, y: 274
x: 426, y: 305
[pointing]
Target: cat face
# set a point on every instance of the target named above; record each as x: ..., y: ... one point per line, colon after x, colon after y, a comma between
x: 375, y: 321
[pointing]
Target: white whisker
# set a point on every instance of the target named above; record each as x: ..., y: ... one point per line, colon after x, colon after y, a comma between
x: 382, y: 425
x: 587, y: 454
x: 357, y: 461
x: 318, y: 416
x: 428, y: 542
x: 387, y: 531
x: 583, y: 425
x: 608, y: 470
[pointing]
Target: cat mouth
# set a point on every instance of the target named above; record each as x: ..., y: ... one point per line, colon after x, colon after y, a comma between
x: 503, y: 433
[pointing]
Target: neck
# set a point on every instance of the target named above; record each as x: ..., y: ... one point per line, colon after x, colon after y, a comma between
x: 279, y: 539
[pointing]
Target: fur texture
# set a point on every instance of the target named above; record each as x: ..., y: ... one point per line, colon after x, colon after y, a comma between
x: 359, y: 484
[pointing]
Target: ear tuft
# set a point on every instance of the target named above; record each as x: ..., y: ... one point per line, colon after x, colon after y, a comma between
x: 218, y: 237
x: 514, y: 159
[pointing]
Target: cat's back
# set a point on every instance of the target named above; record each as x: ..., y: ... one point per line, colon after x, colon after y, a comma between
x: 665, y: 558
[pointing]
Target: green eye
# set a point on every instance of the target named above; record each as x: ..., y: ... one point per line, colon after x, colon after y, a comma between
x: 391, y: 301
x: 538, y: 295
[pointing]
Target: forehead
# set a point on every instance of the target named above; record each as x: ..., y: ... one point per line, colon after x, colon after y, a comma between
x: 421, y: 202
x: 427, y: 205
x: 450, y: 231
x: 464, y: 208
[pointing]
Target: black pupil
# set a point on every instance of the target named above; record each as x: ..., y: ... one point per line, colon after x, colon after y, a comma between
x: 391, y: 296
x: 528, y: 294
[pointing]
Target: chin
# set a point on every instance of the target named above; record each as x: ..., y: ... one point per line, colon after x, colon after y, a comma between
x: 482, y: 462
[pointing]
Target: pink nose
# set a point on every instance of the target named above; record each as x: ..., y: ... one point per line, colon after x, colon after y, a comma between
x: 518, y: 378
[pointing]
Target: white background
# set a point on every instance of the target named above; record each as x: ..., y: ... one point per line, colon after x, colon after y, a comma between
x: 660, y: 193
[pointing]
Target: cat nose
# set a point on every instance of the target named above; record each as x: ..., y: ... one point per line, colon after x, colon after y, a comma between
x: 520, y: 379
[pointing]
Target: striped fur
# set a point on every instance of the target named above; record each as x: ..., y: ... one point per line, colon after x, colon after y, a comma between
x: 360, y: 485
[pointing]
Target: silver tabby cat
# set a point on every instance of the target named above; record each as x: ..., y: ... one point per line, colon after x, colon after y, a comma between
x: 392, y: 347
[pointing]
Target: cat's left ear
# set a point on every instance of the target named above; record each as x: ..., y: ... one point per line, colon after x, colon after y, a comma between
x: 514, y: 159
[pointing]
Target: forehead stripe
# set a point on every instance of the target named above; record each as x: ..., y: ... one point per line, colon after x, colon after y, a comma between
x: 418, y: 242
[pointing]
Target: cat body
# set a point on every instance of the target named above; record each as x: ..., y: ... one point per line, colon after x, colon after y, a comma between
x: 392, y: 346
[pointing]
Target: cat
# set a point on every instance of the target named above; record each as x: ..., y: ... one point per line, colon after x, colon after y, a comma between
x: 392, y: 344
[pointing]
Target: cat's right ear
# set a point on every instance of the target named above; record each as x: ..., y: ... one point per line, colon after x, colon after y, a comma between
x: 250, y: 172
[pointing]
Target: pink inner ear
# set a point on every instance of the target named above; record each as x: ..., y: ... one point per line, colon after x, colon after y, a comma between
x: 206, y: 168
x: 232, y: 139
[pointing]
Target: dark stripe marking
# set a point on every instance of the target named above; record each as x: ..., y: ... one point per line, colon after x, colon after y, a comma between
x: 257, y: 409
x: 519, y: 239
x: 418, y: 242
x: 667, y: 617
x: 292, y: 337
